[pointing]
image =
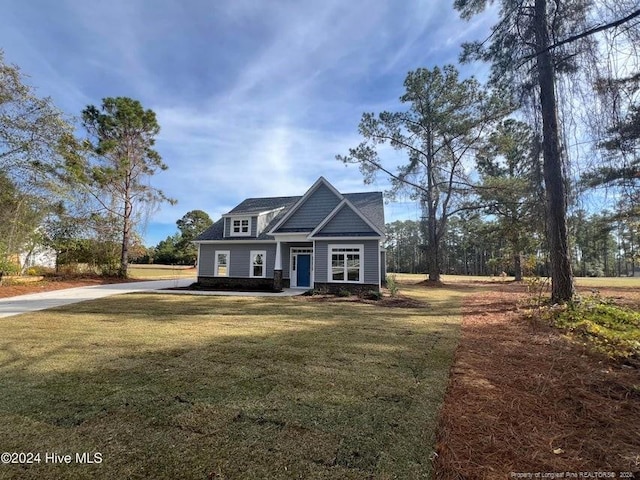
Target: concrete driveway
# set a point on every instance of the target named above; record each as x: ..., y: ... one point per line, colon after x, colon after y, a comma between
x: 41, y: 301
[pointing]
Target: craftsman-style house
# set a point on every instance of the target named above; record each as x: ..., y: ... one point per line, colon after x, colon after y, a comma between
x: 324, y: 239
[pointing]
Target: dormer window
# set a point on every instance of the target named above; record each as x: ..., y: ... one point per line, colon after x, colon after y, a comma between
x: 241, y: 227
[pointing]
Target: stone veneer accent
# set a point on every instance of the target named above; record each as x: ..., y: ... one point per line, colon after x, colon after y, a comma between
x: 240, y: 284
x: 355, y: 288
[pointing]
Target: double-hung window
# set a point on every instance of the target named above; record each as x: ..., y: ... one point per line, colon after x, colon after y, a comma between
x: 241, y: 227
x: 258, y: 263
x: 346, y: 263
x: 222, y: 263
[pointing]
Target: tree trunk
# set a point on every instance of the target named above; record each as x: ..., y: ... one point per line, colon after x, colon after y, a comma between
x: 126, y: 233
x: 517, y: 266
x: 562, y: 288
x: 433, y: 253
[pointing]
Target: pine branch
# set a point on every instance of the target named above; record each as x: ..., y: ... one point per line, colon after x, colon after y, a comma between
x: 584, y: 34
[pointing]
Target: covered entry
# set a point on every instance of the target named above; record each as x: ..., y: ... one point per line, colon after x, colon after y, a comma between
x: 301, y: 267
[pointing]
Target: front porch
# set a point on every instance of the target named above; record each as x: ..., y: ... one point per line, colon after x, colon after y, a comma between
x: 294, y: 265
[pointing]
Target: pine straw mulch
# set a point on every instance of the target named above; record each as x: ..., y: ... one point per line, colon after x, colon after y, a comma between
x: 524, y: 399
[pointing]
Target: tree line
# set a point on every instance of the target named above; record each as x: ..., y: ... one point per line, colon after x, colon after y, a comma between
x: 601, y: 245
x: 501, y: 149
x: 177, y: 249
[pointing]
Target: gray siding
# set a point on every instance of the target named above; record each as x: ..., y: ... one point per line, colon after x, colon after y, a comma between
x: 315, y: 209
x: 371, y: 259
x: 239, y: 263
x: 383, y: 266
x: 345, y: 221
x: 286, y: 251
x: 253, y: 225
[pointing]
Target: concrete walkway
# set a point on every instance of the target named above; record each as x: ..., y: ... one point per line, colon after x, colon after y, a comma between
x: 40, y: 301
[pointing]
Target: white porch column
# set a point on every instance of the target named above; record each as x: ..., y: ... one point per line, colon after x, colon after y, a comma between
x: 278, y: 265
x: 277, y: 269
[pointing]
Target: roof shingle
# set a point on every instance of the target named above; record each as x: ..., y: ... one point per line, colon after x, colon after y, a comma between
x: 370, y: 204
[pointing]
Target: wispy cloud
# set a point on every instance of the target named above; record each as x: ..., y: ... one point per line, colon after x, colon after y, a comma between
x: 254, y: 98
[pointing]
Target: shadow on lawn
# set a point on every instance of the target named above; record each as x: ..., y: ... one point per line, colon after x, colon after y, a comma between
x: 287, y: 308
x: 346, y: 393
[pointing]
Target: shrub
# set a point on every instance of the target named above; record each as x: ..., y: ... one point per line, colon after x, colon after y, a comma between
x: 609, y: 328
x: 8, y: 267
x: 38, y: 270
x: 392, y: 285
x: 373, y: 295
x: 344, y: 293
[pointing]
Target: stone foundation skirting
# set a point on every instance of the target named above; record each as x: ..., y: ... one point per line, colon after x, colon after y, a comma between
x: 237, y: 284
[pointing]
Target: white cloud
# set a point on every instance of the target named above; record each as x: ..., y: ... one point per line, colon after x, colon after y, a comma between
x: 254, y: 98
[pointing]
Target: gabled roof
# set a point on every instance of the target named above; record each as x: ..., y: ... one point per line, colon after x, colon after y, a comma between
x: 256, y: 206
x: 371, y: 205
x: 346, y: 204
x: 321, y: 181
x: 368, y: 205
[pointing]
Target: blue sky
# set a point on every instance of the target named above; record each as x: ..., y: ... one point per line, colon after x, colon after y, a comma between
x: 254, y: 98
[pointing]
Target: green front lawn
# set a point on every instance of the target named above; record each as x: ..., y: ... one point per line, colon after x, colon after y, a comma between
x: 169, y: 387
x: 160, y: 272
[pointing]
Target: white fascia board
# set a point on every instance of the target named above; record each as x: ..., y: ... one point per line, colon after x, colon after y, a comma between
x: 320, y: 181
x: 328, y: 218
x: 251, y: 214
x: 337, y: 239
x: 292, y: 237
x: 335, y: 211
x: 365, y: 219
x: 271, y: 211
x: 231, y: 241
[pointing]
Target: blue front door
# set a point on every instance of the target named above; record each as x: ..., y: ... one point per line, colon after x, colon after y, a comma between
x: 303, y: 270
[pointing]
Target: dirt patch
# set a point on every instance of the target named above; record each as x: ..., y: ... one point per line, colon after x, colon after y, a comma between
x: 523, y: 398
x: 399, y: 301
x: 50, y: 284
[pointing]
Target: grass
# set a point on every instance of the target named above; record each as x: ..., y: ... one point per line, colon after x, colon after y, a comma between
x: 160, y: 272
x: 188, y: 387
x: 602, y: 282
x: 593, y: 282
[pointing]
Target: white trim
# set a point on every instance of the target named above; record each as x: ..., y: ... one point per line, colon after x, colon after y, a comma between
x: 253, y: 253
x: 215, y: 262
x: 328, y: 218
x: 278, y: 263
x: 303, y: 199
x: 198, y: 265
x: 291, y: 237
x: 231, y: 241
x: 287, y: 240
x: 240, y: 233
x: 293, y: 277
x: 344, y: 239
x: 335, y: 211
x: 251, y: 214
x: 380, y: 265
x: 352, y: 246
